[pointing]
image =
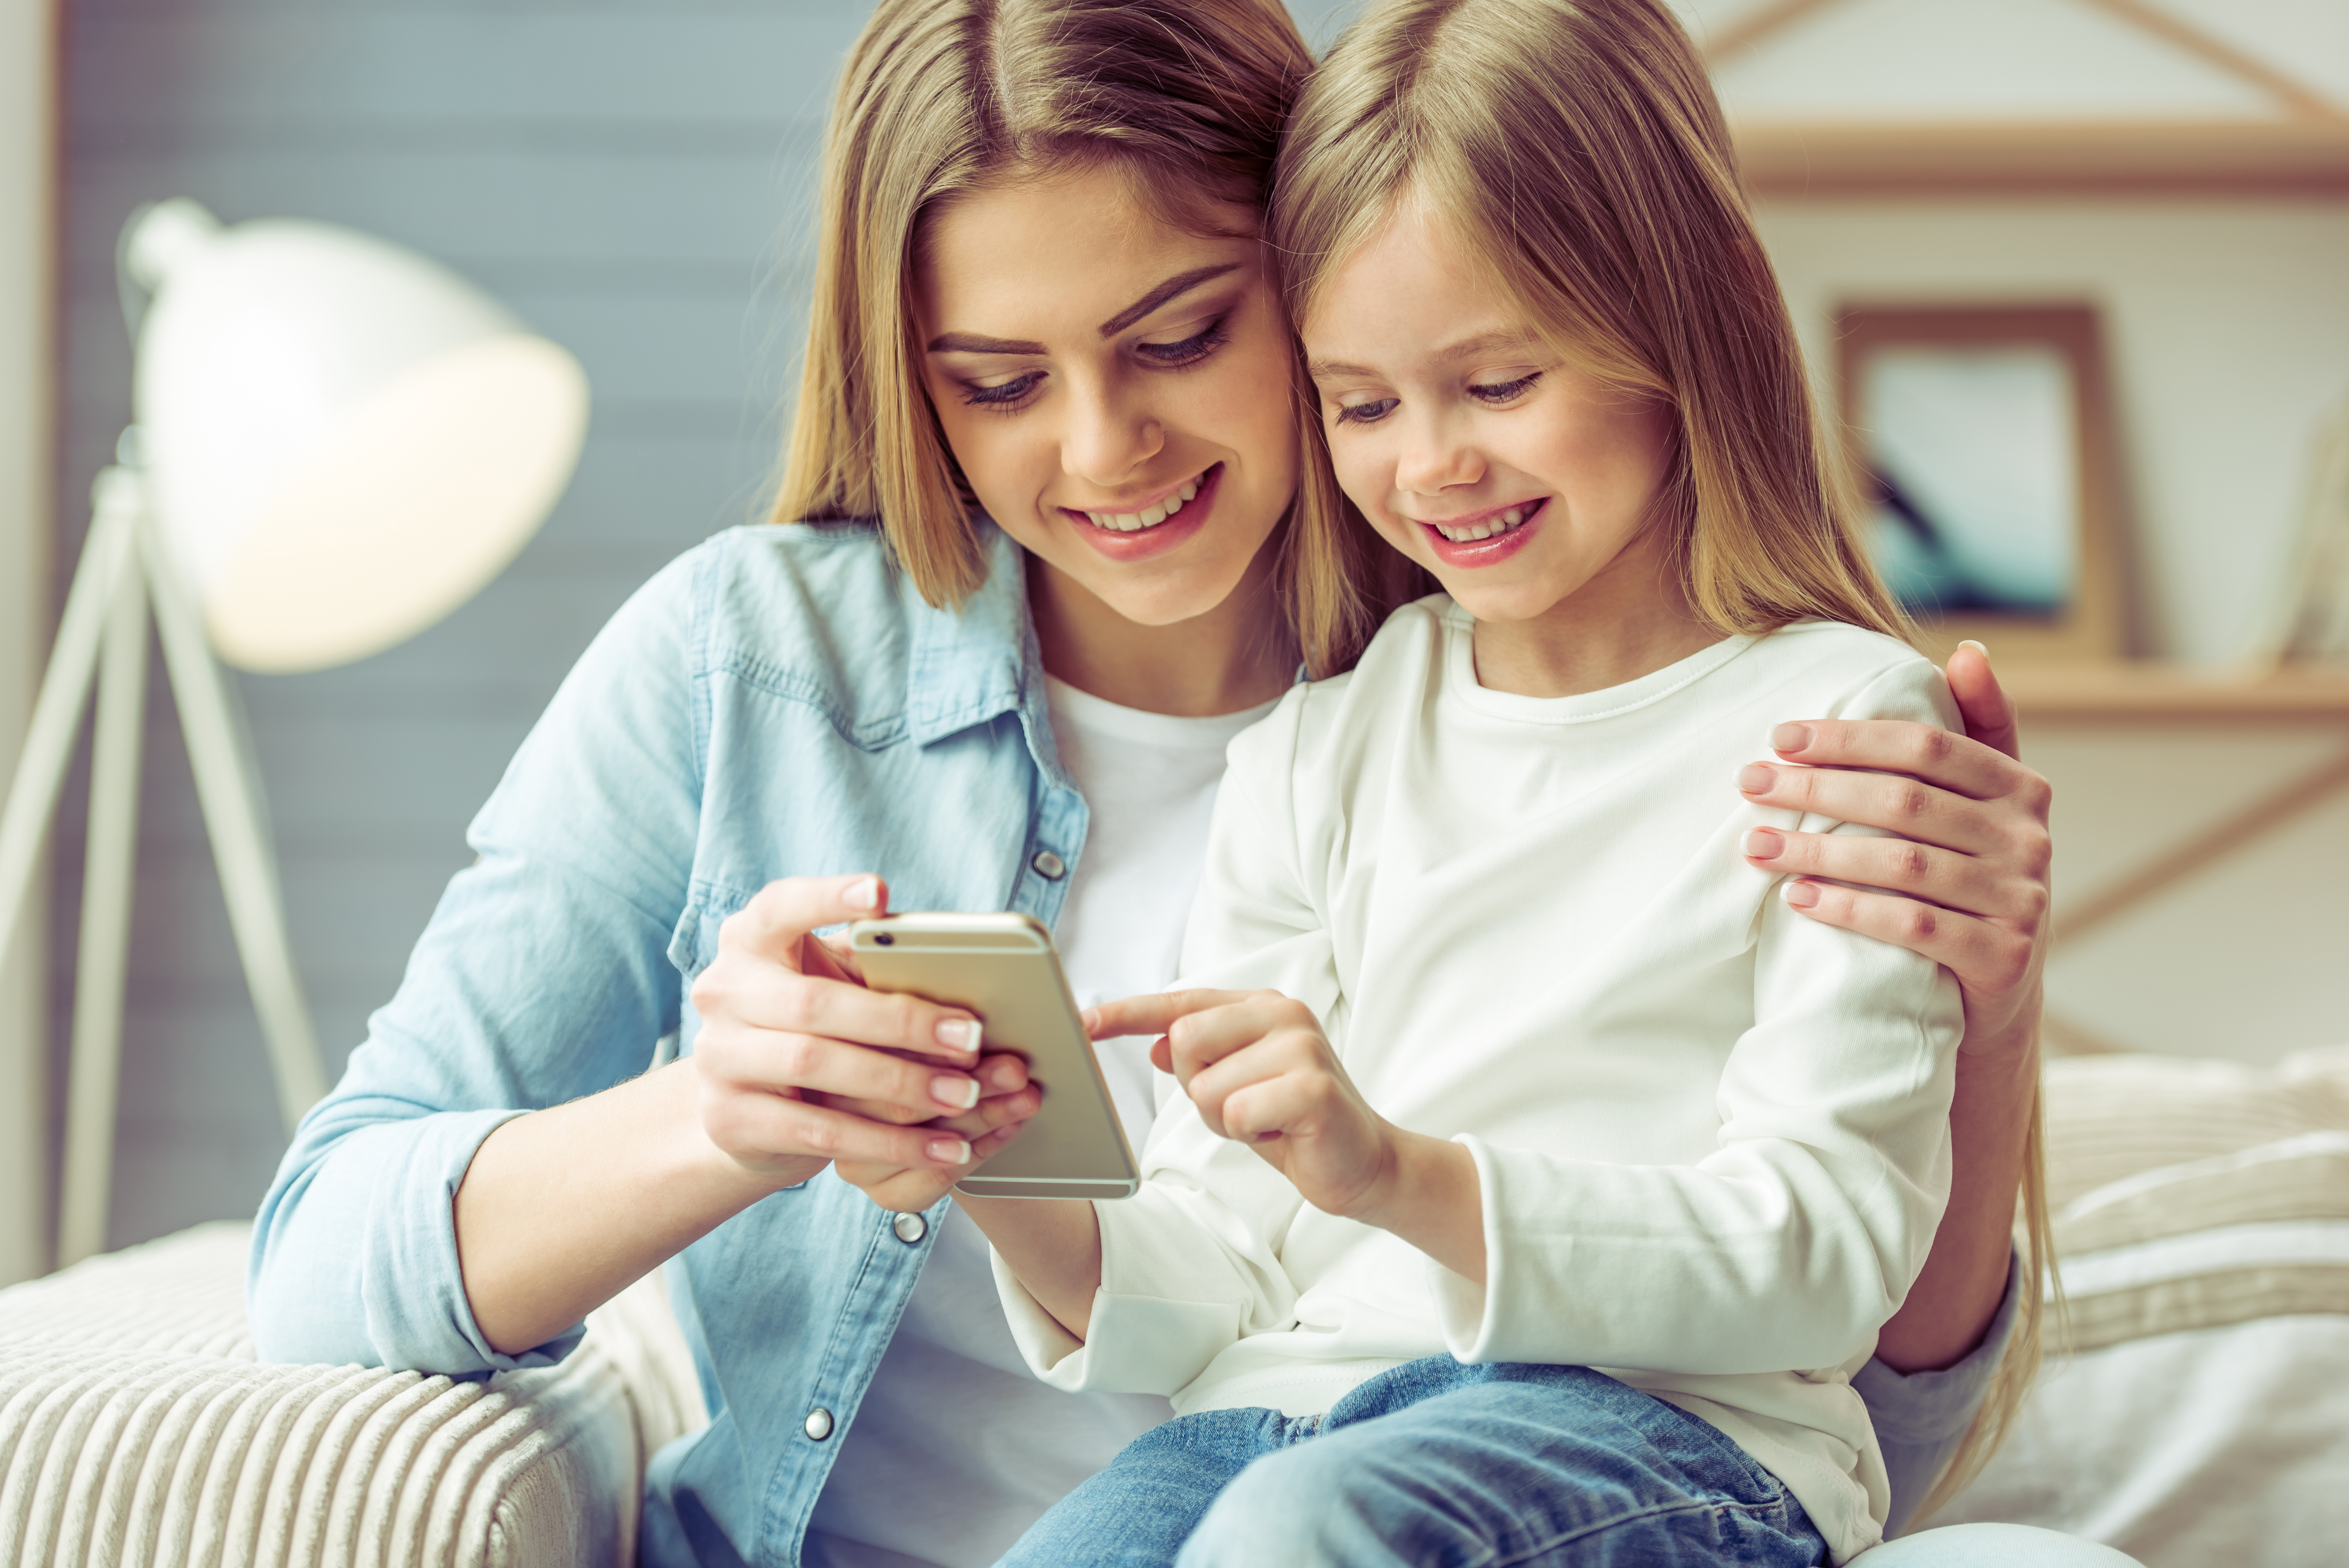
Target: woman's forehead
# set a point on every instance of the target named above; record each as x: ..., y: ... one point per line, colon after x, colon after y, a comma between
x: 1075, y: 250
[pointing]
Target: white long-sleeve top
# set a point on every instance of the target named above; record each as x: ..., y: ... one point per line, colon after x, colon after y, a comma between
x: 1711, y: 1135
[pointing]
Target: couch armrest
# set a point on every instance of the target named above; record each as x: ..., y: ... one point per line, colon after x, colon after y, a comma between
x: 137, y: 1428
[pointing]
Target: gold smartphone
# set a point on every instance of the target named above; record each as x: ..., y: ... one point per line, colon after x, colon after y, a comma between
x: 1005, y: 969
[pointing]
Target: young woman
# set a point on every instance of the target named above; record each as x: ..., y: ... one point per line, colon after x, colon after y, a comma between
x: 1513, y: 1070
x: 971, y: 666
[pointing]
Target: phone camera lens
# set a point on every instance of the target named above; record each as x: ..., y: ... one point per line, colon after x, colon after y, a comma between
x: 882, y: 939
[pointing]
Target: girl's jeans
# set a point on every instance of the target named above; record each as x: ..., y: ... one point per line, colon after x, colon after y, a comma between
x: 1503, y: 1465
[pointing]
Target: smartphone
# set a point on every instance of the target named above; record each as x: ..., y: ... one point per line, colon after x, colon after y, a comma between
x: 1004, y: 969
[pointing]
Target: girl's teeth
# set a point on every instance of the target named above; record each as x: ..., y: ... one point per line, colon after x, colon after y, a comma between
x: 1485, y: 530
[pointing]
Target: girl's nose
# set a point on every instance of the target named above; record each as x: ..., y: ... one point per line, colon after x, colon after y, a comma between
x: 1108, y: 438
x: 1434, y: 460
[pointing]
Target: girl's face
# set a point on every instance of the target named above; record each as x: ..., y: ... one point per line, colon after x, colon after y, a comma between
x: 1523, y: 483
x: 1116, y: 390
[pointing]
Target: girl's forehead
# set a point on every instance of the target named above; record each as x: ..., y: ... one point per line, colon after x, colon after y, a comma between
x: 1409, y: 285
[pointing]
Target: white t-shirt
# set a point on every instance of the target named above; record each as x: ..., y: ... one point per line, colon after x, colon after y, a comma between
x: 958, y: 1448
x: 1712, y: 1135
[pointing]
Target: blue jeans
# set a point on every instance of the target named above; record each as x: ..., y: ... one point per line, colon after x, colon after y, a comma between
x: 1503, y: 1465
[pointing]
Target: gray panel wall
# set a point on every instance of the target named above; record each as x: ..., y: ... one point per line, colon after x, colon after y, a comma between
x: 630, y: 176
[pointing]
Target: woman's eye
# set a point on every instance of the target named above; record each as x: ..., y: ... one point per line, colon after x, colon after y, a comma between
x: 1190, y: 350
x: 1005, y: 394
x: 1369, y: 413
x: 1506, y: 391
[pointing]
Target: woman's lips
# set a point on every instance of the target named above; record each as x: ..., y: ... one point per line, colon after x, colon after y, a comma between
x: 1152, y: 539
x: 1496, y: 546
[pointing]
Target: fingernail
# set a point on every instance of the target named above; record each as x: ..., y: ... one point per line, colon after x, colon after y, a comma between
x: 958, y: 1034
x: 961, y: 1093
x: 1977, y: 647
x: 1091, y: 1018
x: 949, y: 1150
x: 1800, y: 895
x: 1005, y: 1077
x: 865, y: 895
x: 1791, y: 737
x: 1754, y: 779
x: 1764, y: 844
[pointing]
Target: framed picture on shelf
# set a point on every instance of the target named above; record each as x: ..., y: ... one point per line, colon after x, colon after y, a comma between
x: 1982, y: 444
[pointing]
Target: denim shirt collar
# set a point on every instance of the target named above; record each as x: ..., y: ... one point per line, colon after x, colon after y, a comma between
x: 975, y: 663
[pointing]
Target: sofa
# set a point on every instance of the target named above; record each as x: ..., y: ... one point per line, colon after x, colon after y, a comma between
x: 2199, y: 1413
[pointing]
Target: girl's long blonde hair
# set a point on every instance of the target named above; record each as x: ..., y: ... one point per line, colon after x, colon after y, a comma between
x: 941, y: 98
x: 1575, y: 147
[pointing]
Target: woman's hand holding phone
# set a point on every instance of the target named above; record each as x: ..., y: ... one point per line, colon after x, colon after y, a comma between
x: 1261, y: 1072
x: 800, y: 1066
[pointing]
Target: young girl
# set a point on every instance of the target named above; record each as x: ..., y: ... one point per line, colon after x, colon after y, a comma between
x: 1539, y: 1076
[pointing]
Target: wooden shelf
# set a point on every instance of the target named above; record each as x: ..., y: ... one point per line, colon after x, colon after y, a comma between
x: 1828, y: 160
x: 2144, y: 692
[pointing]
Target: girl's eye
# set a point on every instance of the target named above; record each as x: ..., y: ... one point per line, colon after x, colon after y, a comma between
x: 1369, y: 413
x: 1007, y: 395
x: 1191, y: 350
x: 1506, y: 391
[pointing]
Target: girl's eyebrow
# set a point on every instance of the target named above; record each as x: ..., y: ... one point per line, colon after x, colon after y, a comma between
x: 1467, y: 348
x: 1172, y: 288
x: 1486, y: 343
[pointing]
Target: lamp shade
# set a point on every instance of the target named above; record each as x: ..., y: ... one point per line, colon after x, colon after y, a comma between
x: 344, y: 441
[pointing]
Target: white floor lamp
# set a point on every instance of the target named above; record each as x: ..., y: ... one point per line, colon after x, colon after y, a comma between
x: 338, y: 444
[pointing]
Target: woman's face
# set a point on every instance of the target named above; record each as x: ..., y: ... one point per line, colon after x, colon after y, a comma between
x: 1521, y: 482
x: 1117, y: 391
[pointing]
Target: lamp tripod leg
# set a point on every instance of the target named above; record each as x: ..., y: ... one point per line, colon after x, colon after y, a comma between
x: 105, y: 555
x: 103, y: 964
x: 225, y: 786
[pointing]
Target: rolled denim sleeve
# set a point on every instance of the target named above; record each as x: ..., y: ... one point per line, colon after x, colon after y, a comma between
x: 1921, y: 1417
x: 543, y: 977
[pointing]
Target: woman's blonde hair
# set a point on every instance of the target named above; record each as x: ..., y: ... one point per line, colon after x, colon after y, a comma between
x: 1184, y: 97
x: 1574, y: 149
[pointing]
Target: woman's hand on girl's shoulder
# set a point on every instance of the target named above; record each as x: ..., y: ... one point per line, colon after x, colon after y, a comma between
x: 1964, y: 884
x: 799, y: 1064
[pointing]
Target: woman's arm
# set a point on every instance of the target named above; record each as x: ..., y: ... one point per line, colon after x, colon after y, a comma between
x: 1968, y: 889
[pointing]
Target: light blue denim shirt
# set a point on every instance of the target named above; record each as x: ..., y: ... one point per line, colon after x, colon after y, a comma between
x: 778, y: 702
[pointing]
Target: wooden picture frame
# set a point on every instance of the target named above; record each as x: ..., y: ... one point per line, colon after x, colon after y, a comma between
x: 2089, y: 620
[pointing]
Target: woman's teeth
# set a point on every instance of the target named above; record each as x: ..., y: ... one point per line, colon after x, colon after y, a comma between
x: 1132, y: 521
x: 1484, y: 530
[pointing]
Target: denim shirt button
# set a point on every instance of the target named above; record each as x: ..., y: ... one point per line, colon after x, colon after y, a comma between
x: 818, y: 1425
x: 1049, y: 866
x: 910, y: 1228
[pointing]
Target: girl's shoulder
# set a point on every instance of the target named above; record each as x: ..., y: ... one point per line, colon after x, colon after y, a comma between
x: 1851, y: 672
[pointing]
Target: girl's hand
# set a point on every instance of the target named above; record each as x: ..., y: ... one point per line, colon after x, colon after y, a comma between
x: 1262, y: 1073
x: 1964, y: 885
x: 799, y: 1063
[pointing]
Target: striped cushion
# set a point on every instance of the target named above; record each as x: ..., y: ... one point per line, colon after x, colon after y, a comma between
x: 137, y: 1428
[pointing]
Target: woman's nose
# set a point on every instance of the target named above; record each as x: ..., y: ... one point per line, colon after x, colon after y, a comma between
x: 1109, y: 438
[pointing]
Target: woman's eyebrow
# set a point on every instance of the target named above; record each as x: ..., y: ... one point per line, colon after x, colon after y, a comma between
x: 971, y: 343
x: 1174, y: 287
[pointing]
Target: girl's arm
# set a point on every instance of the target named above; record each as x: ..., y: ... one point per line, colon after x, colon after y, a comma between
x: 1970, y: 893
